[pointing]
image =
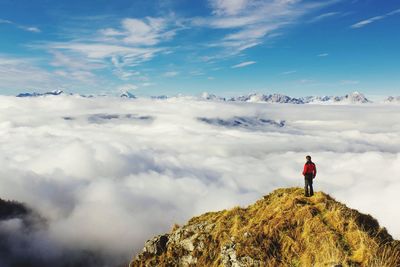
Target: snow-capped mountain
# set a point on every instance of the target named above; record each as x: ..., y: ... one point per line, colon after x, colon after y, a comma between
x: 355, y: 97
x: 272, y: 98
x: 160, y: 97
x: 279, y: 98
x: 34, y: 94
x: 208, y: 96
x: 352, y: 98
x: 127, y: 94
x: 392, y: 99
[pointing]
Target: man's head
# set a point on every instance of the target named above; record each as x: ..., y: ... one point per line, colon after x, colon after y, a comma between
x: 308, y: 158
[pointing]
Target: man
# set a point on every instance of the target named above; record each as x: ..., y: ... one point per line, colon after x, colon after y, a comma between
x: 309, y: 172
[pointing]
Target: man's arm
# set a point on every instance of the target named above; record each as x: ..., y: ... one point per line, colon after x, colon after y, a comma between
x: 315, y: 171
x: 305, y: 169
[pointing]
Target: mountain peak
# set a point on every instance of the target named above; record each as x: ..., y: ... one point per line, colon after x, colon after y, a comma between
x: 127, y: 94
x: 283, y: 228
x: 357, y: 97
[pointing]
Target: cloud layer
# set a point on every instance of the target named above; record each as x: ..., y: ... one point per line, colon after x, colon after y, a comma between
x: 109, y: 173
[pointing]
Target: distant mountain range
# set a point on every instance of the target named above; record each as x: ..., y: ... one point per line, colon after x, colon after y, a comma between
x: 34, y: 94
x: 352, y: 98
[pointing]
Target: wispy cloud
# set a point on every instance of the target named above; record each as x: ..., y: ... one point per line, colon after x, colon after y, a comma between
x: 349, y: 82
x: 21, y: 74
x: 127, y: 87
x: 323, y: 55
x: 243, y: 64
x: 118, y: 49
x: 73, y: 62
x: 289, y: 72
x: 30, y: 29
x: 127, y: 55
x: 365, y: 22
x: 228, y: 7
x: 197, y: 73
x: 247, y: 22
x: 171, y: 74
x: 19, y: 26
x: 149, y: 31
x: 323, y: 16
x: 303, y: 81
x: 4, y: 21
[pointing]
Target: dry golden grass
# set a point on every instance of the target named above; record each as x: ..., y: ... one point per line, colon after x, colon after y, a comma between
x: 286, y: 229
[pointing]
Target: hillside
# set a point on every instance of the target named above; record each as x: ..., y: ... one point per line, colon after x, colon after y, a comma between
x: 282, y: 229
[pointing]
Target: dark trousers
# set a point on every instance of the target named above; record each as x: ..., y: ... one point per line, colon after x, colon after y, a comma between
x: 308, y: 188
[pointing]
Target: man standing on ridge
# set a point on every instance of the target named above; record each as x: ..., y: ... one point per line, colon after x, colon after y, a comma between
x: 309, y: 172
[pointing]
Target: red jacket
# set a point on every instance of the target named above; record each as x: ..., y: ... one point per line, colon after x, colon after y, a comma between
x: 309, y: 168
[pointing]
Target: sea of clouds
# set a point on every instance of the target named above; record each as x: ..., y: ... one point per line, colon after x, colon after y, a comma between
x: 109, y: 173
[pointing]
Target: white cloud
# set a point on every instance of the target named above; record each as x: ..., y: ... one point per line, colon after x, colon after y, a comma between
x: 171, y: 74
x: 145, y: 84
x: 365, y: 22
x: 243, y: 64
x: 26, y: 74
x: 250, y: 22
x: 31, y: 29
x: 323, y: 55
x: 127, y: 87
x: 146, y: 32
x: 197, y: 73
x: 394, y: 12
x: 103, y: 51
x: 253, y: 33
x: 289, y: 72
x: 323, y: 16
x: 149, y: 31
x: 305, y: 81
x: 106, y: 179
x: 349, y: 82
x: 119, y: 49
x: 89, y: 57
x: 22, y: 73
x: 22, y: 27
x: 74, y: 62
x: 4, y: 21
x: 228, y: 7
x: 111, y: 32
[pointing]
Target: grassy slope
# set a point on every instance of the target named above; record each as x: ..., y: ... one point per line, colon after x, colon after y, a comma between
x: 287, y: 229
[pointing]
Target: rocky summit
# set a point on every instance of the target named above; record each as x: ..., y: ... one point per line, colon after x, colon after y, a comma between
x: 282, y: 229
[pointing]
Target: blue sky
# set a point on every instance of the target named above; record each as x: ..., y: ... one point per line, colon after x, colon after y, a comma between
x: 226, y: 47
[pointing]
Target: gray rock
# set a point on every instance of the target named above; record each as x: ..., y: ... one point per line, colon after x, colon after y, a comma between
x: 157, y: 245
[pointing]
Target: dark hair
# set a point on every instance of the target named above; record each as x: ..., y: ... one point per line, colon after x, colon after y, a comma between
x: 308, y: 157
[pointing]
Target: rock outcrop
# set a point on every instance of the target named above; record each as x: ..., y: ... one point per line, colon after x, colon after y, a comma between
x: 282, y: 229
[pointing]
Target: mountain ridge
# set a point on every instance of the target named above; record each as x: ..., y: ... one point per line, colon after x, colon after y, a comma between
x: 282, y: 229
